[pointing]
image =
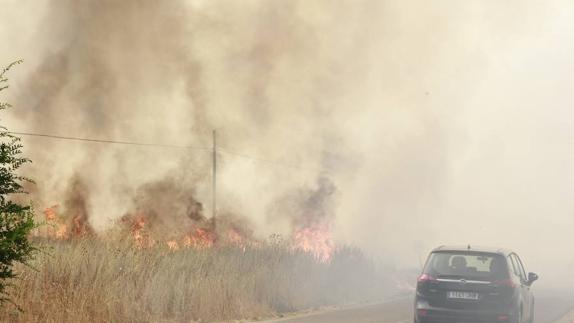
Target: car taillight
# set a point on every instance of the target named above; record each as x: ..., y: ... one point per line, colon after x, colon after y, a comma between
x: 505, y: 282
x: 425, y: 278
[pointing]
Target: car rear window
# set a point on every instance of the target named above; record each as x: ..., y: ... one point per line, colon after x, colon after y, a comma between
x: 480, y: 266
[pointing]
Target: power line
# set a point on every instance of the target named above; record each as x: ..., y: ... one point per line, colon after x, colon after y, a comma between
x: 143, y: 144
x: 103, y: 141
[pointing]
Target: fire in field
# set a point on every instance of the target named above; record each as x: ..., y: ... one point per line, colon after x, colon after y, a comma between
x: 187, y: 158
x: 220, y: 160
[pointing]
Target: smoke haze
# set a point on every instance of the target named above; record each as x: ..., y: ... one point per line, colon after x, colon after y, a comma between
x: 421, y: 123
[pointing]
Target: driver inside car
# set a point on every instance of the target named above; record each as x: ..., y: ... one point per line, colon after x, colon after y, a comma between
x: 459, y: 265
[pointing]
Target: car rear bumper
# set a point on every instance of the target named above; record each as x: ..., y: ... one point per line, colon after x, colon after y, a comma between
x: 424, y: 313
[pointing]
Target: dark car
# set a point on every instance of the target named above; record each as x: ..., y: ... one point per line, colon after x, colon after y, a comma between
x: 467, y: 284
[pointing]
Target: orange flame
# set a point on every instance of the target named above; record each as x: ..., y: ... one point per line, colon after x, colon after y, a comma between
x: 51, y: 212
x: 60, y: 228
x: 172, y: 245
x: 199, y: 238
x: 140, y: 237
x: 56, y: 228
x: 234, y: 237
x: 315, y: 240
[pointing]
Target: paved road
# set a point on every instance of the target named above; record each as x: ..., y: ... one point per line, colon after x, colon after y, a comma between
x: 550, y: 306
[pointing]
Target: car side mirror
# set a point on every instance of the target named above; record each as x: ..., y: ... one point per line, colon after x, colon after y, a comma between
x: 532, y: 277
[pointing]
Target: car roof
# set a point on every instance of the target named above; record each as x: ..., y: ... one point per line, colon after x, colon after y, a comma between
x: 470, y: 248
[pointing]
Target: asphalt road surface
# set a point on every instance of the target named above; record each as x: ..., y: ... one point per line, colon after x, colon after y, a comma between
x: 550, y: 306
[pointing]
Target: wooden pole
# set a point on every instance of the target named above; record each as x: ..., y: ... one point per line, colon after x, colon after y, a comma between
x: 214, y: 179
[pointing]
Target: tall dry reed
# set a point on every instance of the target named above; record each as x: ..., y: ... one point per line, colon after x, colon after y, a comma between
x: 109, y: 281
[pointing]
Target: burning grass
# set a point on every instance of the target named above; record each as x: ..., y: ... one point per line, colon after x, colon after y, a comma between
x: 165, y: 261
x: 100, y: 280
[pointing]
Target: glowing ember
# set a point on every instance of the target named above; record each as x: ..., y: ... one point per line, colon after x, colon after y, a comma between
x: 234, y: 236
x: 80, y: 227
x: 141, y: 238
x: 138, y: 224
x: 56, y: 229
x: 315, y: 240
x: 51, y: 213
x: 62, y: 232
x: 200, y: 238
x: 64, y: 227
x: 172, y: 245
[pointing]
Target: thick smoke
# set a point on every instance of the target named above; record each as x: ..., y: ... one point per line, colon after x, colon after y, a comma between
x: 169, y: 72
x: 435, y: 122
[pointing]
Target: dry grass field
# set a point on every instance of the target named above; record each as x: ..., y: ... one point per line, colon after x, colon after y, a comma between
x: 94, y: 280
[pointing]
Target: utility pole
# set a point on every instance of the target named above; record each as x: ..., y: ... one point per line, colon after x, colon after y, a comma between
x: 214, y: 179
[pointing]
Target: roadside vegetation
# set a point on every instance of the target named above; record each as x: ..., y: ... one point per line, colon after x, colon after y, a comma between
x: 16, y: 219
x: 110, y: 281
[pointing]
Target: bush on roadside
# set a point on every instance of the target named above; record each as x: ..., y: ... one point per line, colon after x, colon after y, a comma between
x: 16, y: 220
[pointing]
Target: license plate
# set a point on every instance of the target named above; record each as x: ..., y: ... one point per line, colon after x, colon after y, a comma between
x: 462, y: 295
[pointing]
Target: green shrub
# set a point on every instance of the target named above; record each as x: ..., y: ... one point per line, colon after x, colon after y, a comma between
x: 16, y: 220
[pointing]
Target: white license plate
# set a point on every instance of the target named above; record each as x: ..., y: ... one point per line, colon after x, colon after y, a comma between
x: 462, y: 295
